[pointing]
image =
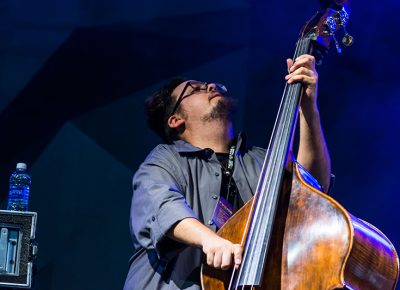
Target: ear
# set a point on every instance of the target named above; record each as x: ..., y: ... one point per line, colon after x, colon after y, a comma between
x: 175, y: 122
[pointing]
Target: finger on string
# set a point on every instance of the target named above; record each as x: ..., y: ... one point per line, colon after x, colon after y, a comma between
x: 303, y: 61
x: 299, y: 70
x: 303, y: 71
x: 302, y: 78
x: 306, y: 57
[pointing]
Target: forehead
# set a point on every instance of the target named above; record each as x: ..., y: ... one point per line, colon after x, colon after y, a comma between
x: 178, y: 90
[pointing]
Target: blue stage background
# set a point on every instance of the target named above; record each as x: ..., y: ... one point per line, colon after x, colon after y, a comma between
x: 74, y: 75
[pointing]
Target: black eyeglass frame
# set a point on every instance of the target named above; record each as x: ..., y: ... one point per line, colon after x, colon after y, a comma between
x: 218, y: 87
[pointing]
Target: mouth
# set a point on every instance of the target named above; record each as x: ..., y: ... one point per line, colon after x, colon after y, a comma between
x: 216, y: 95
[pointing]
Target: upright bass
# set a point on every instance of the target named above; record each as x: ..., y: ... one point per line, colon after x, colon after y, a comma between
x: 294, y: 236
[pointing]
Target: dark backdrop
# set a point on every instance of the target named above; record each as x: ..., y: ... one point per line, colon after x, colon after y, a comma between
x: 74, y: 74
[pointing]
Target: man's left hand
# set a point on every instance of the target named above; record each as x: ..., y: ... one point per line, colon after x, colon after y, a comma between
x: 303, y: 70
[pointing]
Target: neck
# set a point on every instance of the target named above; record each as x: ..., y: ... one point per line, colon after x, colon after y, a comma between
x: 216, y: 135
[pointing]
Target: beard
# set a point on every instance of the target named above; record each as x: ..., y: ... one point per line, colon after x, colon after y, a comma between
x: 223, y: 110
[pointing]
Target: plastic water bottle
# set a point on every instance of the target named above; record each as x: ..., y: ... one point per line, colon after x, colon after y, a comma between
x: 20, y: 183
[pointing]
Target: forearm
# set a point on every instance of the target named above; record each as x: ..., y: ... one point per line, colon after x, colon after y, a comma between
x: 191, y: 232
x: 313, y: 153
x: 220, y: 253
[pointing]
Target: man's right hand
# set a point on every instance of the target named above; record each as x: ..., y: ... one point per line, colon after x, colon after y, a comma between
x: 220, y: 253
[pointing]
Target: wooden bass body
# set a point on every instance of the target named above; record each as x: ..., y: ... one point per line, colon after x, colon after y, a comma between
x: 316, y: 245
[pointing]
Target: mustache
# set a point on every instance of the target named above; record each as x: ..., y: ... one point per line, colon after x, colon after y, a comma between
x: 219, y: 94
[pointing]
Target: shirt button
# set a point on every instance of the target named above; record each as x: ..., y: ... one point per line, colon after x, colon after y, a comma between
x: 216, y: 174
x: 153, y: 219
x: 210, y: 222
x: 214, y: 196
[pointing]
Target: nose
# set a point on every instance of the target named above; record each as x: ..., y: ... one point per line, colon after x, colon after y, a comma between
x: 216, y: 87
x: 211, y: 87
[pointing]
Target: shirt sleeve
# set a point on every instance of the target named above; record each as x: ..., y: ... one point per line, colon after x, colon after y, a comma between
x: 158, y: 204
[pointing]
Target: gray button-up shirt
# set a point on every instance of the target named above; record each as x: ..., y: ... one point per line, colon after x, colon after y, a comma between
x: 175, y: 182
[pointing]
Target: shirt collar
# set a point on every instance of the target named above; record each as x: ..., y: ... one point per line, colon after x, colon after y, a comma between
x: 182, y: 146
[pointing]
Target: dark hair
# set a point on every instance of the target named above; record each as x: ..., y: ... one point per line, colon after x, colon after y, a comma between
x: 158, y: 109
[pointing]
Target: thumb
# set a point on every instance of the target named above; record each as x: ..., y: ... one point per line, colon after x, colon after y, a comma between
x: 289, y: 63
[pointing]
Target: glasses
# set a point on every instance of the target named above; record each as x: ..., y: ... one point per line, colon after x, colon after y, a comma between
x: 194, y: 87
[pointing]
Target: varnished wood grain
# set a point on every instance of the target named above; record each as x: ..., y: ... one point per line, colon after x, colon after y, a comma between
x: 373, y: 263
x: 316, y: 244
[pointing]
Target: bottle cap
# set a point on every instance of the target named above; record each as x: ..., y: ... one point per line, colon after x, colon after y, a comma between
x: 21, y: 166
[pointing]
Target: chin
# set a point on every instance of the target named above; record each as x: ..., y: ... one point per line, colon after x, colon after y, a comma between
x: 222, y: 110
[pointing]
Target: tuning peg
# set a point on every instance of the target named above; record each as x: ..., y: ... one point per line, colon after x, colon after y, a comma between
x: 347, y: 39
x: 344, y: 18
x: 331, y: 27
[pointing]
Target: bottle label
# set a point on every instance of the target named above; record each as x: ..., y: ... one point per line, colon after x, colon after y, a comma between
x: 18, y: 198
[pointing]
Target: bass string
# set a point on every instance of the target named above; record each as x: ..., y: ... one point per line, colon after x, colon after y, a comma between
x: 245, y: 256
x: 290, y: 90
